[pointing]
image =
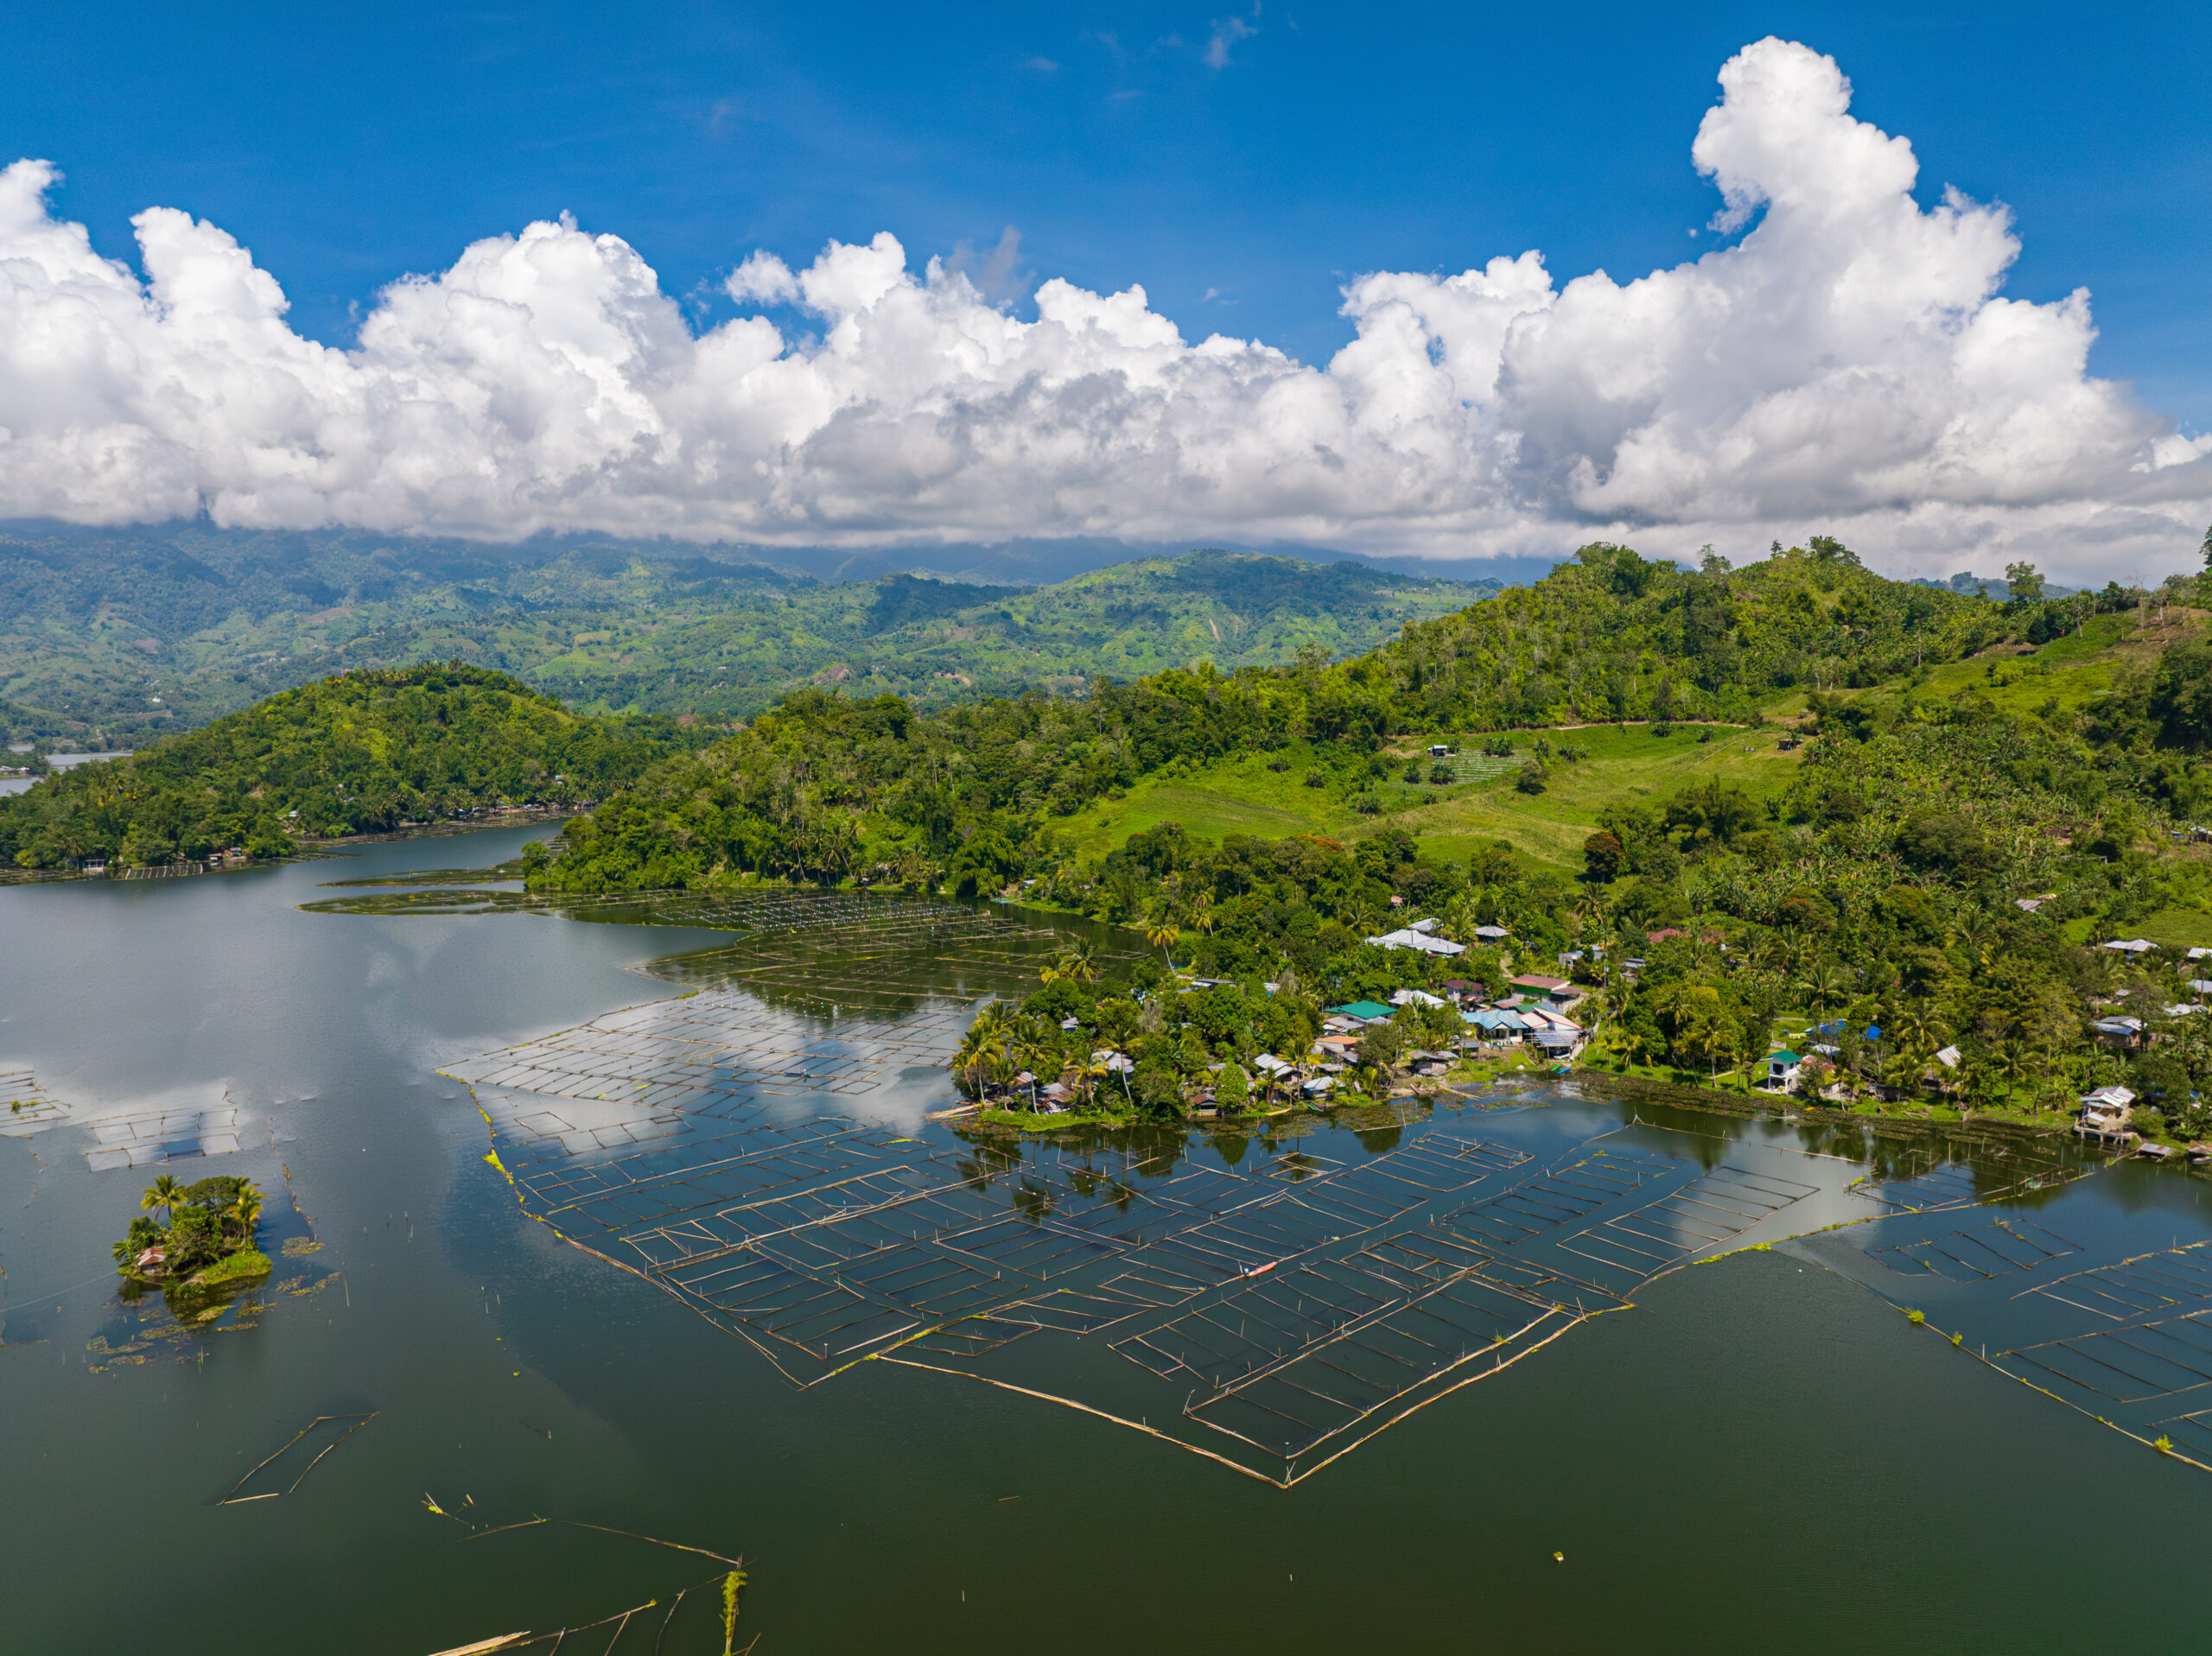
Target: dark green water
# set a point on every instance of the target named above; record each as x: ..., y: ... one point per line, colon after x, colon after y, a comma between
x: 1760, y: 1456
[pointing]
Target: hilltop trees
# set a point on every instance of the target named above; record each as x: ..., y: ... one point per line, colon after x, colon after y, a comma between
x: 972, y: 791
x: 355, y: 754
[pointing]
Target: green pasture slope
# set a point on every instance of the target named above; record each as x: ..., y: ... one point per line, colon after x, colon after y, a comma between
x: 1266, y: 795
x: 1244, y: 795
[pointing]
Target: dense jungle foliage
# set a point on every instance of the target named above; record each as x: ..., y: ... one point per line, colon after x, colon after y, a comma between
x: 358, y: 753
x: 1878, y: 885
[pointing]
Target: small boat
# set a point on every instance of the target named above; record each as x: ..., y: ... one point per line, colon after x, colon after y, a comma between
x: 1258, y: 1269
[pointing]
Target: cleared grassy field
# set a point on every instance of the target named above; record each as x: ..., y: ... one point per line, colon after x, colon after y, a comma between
x: 1625, y: 764
x: 1243, y: 796
x: 2175, y: 928
x: 1238, y: 795
x: 2071, y: 672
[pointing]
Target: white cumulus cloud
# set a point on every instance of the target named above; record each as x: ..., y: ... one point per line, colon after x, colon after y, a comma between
x: 1850, y: 363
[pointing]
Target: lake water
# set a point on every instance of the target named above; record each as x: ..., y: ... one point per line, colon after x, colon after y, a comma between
x: 1757, y: 1453
x: 59, y: 762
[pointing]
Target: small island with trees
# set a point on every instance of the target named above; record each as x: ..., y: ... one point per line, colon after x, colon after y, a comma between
x: 205, y: 1238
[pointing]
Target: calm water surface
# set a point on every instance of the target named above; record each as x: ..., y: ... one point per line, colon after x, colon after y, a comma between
x: 1760, y: 1456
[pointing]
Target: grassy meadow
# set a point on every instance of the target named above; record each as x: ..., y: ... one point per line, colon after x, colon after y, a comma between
x: 1248, y: 794
x: 1243, y: 794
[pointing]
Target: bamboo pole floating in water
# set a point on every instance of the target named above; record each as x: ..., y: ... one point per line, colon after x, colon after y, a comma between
x: 236, y: 1499
x: 734, y: 1564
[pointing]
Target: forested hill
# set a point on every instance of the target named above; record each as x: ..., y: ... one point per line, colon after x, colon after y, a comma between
x: 935, y: 642
x: 126, y: 635
x: 1975, y: 887
x: 365, y: 751
x: 1613, y: 636
x: 827, y: 785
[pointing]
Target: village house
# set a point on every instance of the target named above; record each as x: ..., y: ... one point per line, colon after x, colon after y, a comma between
x: 1362, y: 1011
x: 1558, y: 991
x: 2119, y: 1032
x: 1414, y: 937
x: 1556, y: 1042
x: 2104, y: 1113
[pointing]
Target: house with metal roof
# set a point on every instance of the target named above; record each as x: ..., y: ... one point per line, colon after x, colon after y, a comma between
x: 1369, y: 1011
x: 1406, y: 937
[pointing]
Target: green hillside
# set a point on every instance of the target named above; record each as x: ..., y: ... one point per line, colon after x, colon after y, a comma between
x: 1795, y: 793
x: 367, y: 750
x: 124, y: 635
x: 934, y: 642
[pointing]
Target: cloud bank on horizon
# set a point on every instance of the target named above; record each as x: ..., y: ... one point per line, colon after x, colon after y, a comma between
x: 1849, y: 365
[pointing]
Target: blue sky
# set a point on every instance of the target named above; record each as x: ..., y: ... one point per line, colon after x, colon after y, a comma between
x: 348, y: 145
x: 1242, y: 166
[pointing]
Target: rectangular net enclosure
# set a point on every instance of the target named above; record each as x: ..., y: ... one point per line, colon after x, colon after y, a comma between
x: 772, y: 1150
x: 25, y: 1106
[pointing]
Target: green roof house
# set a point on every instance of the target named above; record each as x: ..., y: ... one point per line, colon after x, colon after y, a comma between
x: 1368, y: 1009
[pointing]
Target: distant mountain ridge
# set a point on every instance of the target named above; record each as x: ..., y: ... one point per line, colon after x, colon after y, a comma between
x: 123, y: 635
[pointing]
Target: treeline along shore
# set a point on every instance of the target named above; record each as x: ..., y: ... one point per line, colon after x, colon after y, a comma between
x: 1792, y: 826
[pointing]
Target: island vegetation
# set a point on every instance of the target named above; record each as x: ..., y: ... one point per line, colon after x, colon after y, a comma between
x: 203, y: 1238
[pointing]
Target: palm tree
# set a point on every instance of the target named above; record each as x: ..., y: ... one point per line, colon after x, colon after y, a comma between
x: 1202, y: 911
x: 1086, y: 1069
x: 1977, y: 937
x: 981, y: 1049
x: 245, y: 1210
x: 1589, y: 911
x: 1822, y: 983
x: 1919, y: 1029
x: 1033, y: 1049
x: 1162, y: 933
x: 1078, y: 962
x: 164, y: 1193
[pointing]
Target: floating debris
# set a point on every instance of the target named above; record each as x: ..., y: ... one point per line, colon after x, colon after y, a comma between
x: 287, y: 1468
